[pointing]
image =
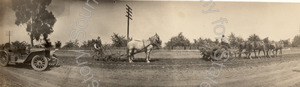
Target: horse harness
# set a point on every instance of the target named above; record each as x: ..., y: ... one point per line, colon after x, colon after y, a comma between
x: 147, y: 45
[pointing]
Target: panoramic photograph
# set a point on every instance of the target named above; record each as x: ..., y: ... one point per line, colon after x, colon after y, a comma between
x: 149, y: 43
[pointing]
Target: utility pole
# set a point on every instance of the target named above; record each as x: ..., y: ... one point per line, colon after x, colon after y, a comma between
x: 9, y: 37
x: 129, y: 12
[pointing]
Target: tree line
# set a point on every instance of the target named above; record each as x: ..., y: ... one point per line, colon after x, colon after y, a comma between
x: 233, y: 40
x: 176, y: 41
x: 181, y: 41
x: 39, y: 23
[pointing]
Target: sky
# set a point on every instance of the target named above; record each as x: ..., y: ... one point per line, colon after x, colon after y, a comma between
x: 278, y: 21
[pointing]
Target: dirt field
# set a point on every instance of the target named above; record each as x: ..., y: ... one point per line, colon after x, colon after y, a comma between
x: 237, y: 72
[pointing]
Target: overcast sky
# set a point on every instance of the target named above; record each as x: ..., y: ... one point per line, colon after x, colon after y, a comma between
x: 274, y: 20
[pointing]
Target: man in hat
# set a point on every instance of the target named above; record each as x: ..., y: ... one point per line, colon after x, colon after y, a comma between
x: 224, y: 41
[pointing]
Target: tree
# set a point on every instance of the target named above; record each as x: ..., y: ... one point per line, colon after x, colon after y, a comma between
x: 217, y: 41
x: 253, y: 38
x: 36, y: 17
x: 199, y: 42
x: 58, y: 44
x: 118, y: 40
x: 178, y: 40
x: 266, y: 40
x: 202, y: 42
x: 71, y: 44
x: 286, y: 43
x: 19, y: 45
x: 239, y: 39
x: 232, y: 40
x: 208, y: 40
x: 90, y: 43
x: 296, y: 41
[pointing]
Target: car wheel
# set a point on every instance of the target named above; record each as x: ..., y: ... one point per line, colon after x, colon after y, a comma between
x: 39, y: 63
x: 3, y: 59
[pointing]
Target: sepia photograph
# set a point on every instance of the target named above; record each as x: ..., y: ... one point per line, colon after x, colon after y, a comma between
x: 149, y: 43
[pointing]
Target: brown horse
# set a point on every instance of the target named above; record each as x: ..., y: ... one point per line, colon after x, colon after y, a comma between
x: 275, y: 46
x: 137, y: 46
x: 247, y: 46
x: 259, y: 46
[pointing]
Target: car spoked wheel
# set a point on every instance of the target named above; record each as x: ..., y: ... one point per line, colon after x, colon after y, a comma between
x: 3, y: 59
x: 39, y: 63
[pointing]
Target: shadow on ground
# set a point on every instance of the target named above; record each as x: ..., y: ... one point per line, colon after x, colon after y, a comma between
x: 28, y: 66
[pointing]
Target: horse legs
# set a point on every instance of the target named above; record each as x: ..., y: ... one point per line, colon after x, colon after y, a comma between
x: 148, y: 56
x: 240, y: 53
x: 274, y: 53
x: 258, y: 53
x: 254, y: 53
x: 130, y: 55
x: 250, y: 55
x: 246, y: 54
x: 281, y: 52
x: 268, y: 55
x: 264, y: 53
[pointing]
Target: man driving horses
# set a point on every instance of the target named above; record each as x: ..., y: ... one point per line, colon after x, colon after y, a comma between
x: 224, y: 41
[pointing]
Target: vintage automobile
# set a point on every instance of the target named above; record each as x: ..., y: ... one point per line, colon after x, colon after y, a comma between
x: 38, y: 58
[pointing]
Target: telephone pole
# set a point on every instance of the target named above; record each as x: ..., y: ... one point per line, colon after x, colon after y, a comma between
x: 9, y: 37
x: 129, y: 12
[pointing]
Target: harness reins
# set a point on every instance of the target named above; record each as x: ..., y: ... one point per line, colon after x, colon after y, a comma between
x: 147, y: 45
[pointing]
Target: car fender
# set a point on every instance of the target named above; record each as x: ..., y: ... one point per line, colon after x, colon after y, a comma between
x: 32, y: 54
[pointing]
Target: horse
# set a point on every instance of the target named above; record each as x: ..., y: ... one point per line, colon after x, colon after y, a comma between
x: 137, y: 46
x: 275, y: 46
x: 260, y: 46
x: 247, y: 46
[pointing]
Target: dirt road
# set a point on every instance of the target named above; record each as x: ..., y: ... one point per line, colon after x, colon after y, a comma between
x: 275, y: 72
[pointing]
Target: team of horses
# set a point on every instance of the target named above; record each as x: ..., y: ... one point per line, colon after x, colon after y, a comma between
x: 248, y: 47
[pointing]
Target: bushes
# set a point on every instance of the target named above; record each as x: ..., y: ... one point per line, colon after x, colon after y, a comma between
x: 296, y: 41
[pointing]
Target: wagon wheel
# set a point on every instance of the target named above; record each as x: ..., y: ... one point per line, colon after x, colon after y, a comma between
x: 215, y: 57
x: 3, y: 59
x: 39, y: 63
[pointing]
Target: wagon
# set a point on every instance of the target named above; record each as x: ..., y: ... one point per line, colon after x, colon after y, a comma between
x: 38, y: 58
x: 214, y: 53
